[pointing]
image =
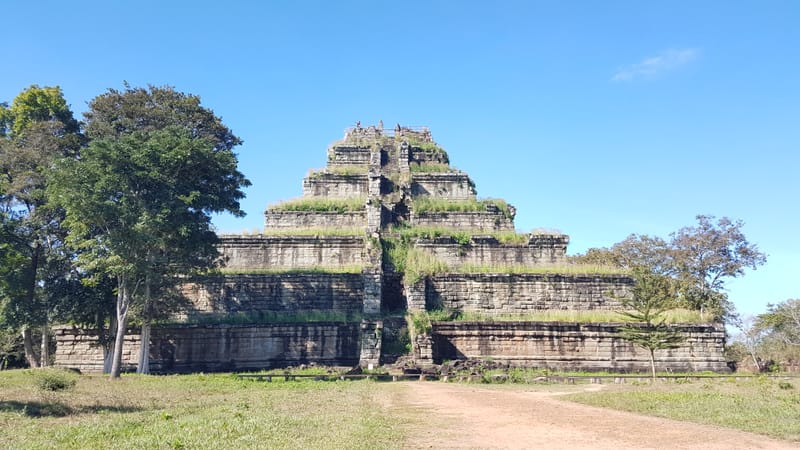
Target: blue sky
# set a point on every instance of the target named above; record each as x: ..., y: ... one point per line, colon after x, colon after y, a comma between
x: 598, y: 119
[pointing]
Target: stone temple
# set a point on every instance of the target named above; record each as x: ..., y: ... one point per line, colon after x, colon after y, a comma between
x: 386, y: 232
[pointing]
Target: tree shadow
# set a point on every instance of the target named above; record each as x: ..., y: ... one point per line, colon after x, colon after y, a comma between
x: 58, y: 409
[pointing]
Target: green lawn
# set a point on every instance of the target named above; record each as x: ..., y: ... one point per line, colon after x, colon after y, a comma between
x: 197, y: 411
x: 759, y: 405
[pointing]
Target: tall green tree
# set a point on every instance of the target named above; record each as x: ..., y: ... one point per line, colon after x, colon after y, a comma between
x: 705, y: 256
x: 699, y: 260
x: 36, y: 130
x: 138, y: 201
x: 782, y: 321
x: 650, y: 298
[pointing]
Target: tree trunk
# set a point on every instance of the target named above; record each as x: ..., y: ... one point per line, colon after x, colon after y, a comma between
x: 653, y: 363
x: 27, y: 343
x: 108, y: 344
x: 123, y: 302
x: 45, y: 352
x: 144, y: 342
x: 30, y: 298
x: 144, y: 350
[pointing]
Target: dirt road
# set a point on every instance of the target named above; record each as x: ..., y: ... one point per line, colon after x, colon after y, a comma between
x: 473, y: 416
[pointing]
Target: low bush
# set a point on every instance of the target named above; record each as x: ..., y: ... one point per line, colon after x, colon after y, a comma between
x: 54, y: 380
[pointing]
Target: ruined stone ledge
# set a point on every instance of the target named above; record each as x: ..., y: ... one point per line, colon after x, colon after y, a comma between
x: 573, y: 346
x: 502, y: 293
x: 464, y: 220
x: 334, y: 185
x: 286, y: 252
x: 348, y: 154
x: 488, y: 251
x: 284, y: 220
x: 222, y: 347
x: 451, y: 185
x: 275, y: 293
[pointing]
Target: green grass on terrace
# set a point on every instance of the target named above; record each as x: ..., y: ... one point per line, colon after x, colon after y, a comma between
x: 432, y: 168
x: 353, y: 268
x: 675, y: 316
x: 267, y: 317
x: 557, y: 269
x: 427, y: 204
x: 341, y: 169
x: 322, y: 204
x: 461, y: 236
x: 315, y: 231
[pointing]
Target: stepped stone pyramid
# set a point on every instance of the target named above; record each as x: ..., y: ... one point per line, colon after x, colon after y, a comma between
x: 388, y: 230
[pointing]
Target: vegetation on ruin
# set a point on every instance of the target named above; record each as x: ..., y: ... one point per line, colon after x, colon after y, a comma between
x: 431, y: 149
x: 431, y: 167
x: 419, y: 264
x: 199, y: 411
x: 759, y: 405
x: 427, y: 204
x: 322, y: 204
x: 418, y: 324
x: 554, y: 269
x: 264, y: 317
x: 400, y: 255
x: 462, y: 237
x: 313, y: 231
x: 673, y: 316
x: 340, y: 169
x: 350, y: 268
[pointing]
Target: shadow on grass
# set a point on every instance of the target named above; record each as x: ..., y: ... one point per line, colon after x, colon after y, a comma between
x: 58, y: 409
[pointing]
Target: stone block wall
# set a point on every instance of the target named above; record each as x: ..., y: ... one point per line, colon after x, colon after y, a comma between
x: 286, y: 252
x: 282, y: 220
x: 467, y: 220
x: 348, y: 155
x: 78, y: 348
x: 485, y: 250
x: 420, y: 156
x: 276, y: 293
x: 222, y: 347
x: 333, y: 185
x: 573, y: 346
x: 453, y: 185
x: 521, y: 293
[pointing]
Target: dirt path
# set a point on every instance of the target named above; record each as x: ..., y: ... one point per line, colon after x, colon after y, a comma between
x: 469, y: 416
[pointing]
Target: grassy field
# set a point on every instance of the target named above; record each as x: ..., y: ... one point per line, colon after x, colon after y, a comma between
x: 221, y: 411
x: 759, y: 405
x: 196, y: 411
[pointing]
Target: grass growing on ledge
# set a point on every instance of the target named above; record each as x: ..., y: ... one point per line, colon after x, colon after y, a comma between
x: 431, y: 167
x: 317, y: 204
x: 427, y: 204
x: 429, y: 148
x: 265, y: 317
x: 341, y: 169
x: 316, y: 231
x: 420, y: 263
x: 675, y: 316
x: 460, y: 236
x: 559, y: 269
x: 353, y: 268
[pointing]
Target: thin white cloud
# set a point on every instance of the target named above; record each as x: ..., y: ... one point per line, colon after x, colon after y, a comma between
x: 666, y: 61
